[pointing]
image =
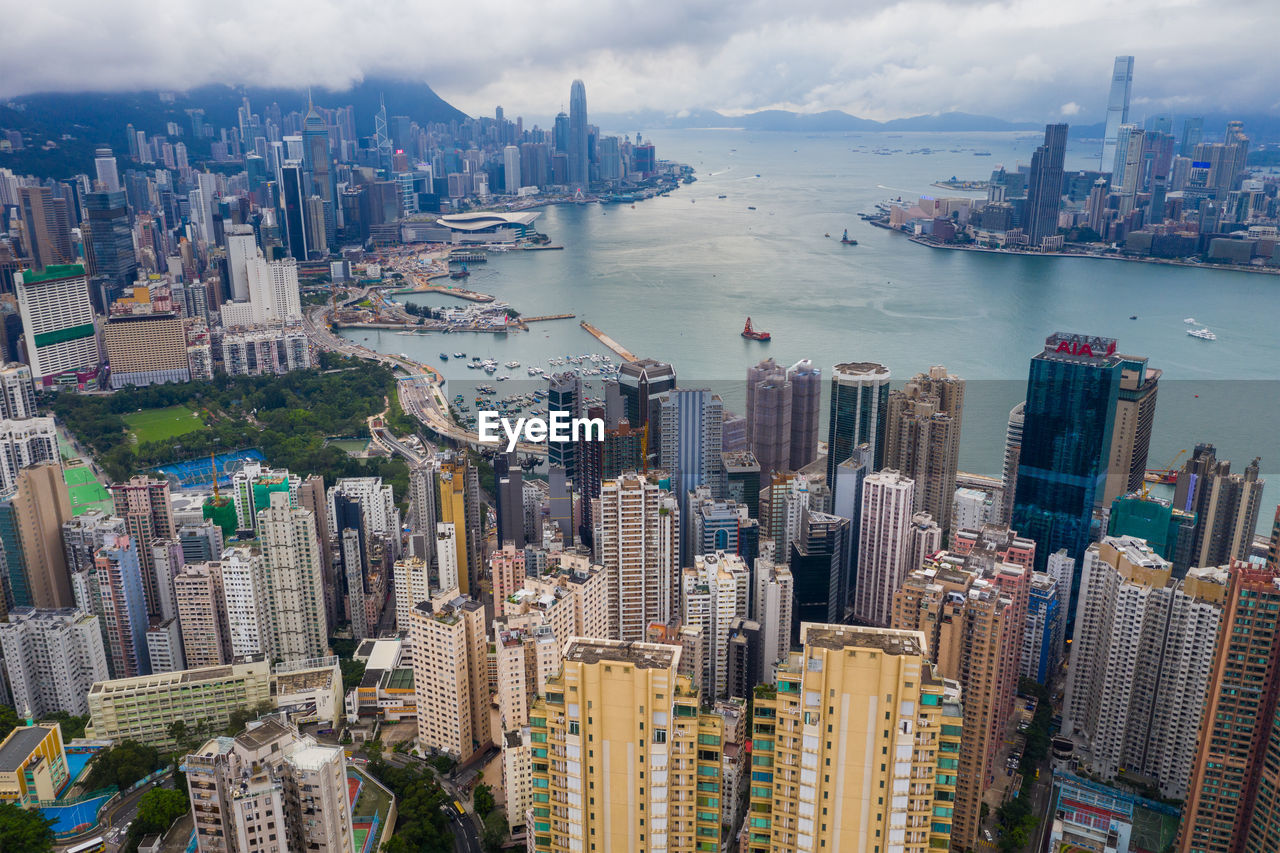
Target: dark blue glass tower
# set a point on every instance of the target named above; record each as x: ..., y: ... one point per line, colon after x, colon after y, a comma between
x: 1072, y: 391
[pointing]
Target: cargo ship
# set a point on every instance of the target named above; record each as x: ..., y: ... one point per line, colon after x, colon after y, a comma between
x: 754, y: 335
x: 845, y: 239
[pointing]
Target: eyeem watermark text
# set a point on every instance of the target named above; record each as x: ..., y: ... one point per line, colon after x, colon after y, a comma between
x: 557, y: 426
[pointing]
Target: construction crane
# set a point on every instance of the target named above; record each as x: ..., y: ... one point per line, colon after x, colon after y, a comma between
x: 1167, y: 475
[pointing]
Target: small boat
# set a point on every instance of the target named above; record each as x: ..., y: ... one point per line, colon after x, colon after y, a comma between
x: 1133, y: 316
x: 753, y: 335
x: 459, y: 355
x: 1202, y: 334
x: 826, y: 235
x: 444, y: 356
x: 845, y: 239
x: 1191, y: 321
x: 722, y: 196
x: 982, y: 154
x: 751, y: 207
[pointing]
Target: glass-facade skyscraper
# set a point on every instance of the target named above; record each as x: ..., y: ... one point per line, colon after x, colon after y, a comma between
x: 859, y: 409
x: 579, y: 157
x: 1072, y: 391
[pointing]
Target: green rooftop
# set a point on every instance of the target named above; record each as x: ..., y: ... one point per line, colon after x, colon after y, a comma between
x: 52, y: 273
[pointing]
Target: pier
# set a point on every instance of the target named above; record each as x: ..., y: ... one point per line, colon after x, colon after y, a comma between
x: 539, y: 319
x: 624, y: 354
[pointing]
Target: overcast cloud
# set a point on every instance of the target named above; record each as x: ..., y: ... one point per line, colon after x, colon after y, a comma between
x: 1018, y: 59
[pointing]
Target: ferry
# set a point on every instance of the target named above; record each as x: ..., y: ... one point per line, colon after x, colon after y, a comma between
x: 1202, y: 334
x: 751, y: 334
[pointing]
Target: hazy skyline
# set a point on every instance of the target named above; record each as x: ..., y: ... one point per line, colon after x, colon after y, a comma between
x: 1036, y: 60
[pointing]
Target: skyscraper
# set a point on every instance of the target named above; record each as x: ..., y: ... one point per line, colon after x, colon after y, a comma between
x: 1012, y: 452
x: 31, y: 519
x: 692, y: 420
x: 1126, y: 172
x: 1226, y: 506
x: 715, y: 591
x: 450, y: 674
x: 1044, y: 186
x: 109, y: 244
x: 893, y: 782
x: 294, y: 574
x: 104, y: 165
x: 806, y: 401
x: 1117, y: 108
x: 143, y: 502
x: 293, y: 199
x: 52, y: 658
x: 641, y: 387
x: 124, y: 606
x: 1131, y: 433
x: 1231, y: 805
x: 315, y: 152
x: 922, y: 438
x: 817, y: 556
x: 511, y: 169
x: 46, y: 225
x: 883, y: 545
x: 859, y: 411
x: 508, y: 487
x: 58, y: 322
x: 1072, y: 390
x: 769, y: 416
x: 637, y: 541
x: 579, y: 163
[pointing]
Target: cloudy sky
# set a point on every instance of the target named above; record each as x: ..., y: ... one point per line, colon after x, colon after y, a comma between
x: 1018, y: 59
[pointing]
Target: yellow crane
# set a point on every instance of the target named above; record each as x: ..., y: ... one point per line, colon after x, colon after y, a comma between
x: 1161, y: 475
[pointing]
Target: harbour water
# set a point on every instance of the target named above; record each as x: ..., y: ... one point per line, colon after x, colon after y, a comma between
x: 675, y: 278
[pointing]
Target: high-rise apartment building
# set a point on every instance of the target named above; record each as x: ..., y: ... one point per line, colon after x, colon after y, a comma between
x: 294, y: 579
x: 1072, y: 391
x: 1131, y: 432
x: 124, y: 609
x: 31, y: 519
x: 460, y: 506
x: 1231, y: 802
x: 1012, y: 454
x: 269, y: 790
x: 1141, y: 661
x: 1226, y: 506
x: 23, y: 443
x: 782, y: 414
x: 824, y: 777
x: 450, y: 674
x: 1044, y: 185
x: 197, y: 592
x: 715, y: 591
x: 17, y: 394
x: 922, y: 438
x: 772, y: 606
x: 620, y: 706
x: 52, y: 658
x: 883, y: 545
x: 637, y: 541
x: 58, y: 323
x: 859, y: 413
x: 143, y: 503
x: 1042, y: 637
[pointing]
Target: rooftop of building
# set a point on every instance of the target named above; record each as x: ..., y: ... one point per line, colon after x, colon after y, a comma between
x: 17, y: 748
x: 52, y: 272
x: 513, y: 739
x: 740, y: 460
x: 307, y: 679
x: 641, y: 655
x: 860, y: 369
x: 313, y: 756
x: 888, y: 640
x: 397, y: 679
x: 481, y: 219
x: 183, y: 676
x: 262, y: 732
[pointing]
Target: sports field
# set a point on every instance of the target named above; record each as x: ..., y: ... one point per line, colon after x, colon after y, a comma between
x: 159, y: 424
x: 85, y: 491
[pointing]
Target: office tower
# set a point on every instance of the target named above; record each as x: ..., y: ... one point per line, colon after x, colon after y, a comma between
x: 1117, y: 108
x: 714, y: 525
x: 922, y: 439
x: 641, y: 386
x: 622, y: 698
x: 450, y: 673
x: 24, y: 443
x: 972, y: 611
x: 564, y: 394
x: 579, y: 157
x: 1042, y: 637
x: 1226, y: 506
x: 509, y: 494
x: 1131, y: 432
x: 270, y: 789
x: 847, y: 503
x: 745, y: 652
x: 58, y: 323
x: 1072, y: 391
x: 293, y: 201
x: 714, y: 591
x: 883, y: 545
x: 742, y: 480
x: 109, y: 244
x: 459, y: 499
x: 692, y: 420
x: 295, y: 581
x: 143, y: 503
x: 17, y: 394
x: 46, y: 226
x: 104, y: 164
x: 817, y: 558
x: 31, y: 519
x: 197, y: 593
x: 1126, y: 173
x: 242, y: 247
x: 511, y: 170
x: 1012, y: 455
x: 146, y: 348
x: 273, y: 291
x: 859, y: 406
x: 1140, y: 662
x: 1044, y: 185
x: 637, y: 541
x: 164, y: 646
x: 1192, y: 134
x: 52, y: 658
x: 144, y: 708
x: 1169, y: 531
x: 895, y: 783
x: 316, y: 220
x: 315, y: 153
x: 124, y: 607
x: 769, y: 400
x: 1230, y: 805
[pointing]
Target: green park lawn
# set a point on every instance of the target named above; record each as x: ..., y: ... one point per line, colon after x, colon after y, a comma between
x: 160, y: 424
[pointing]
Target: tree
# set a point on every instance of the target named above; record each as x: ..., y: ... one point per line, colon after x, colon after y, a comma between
x: 483, y: 799
x: 24, y: 829
x: 72, y: 727
x: 9, y: 720
x: 494, y: 834
x: 124, y: 765
x: 159, y: 809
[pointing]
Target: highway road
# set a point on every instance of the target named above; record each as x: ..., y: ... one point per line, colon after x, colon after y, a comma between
x: 420, y: 394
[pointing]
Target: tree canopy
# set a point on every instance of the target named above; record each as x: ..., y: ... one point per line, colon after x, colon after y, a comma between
x: 123, y: 765
x: 24, y: 829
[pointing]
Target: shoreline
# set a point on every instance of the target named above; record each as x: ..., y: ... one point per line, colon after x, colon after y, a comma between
x: 1168, y: 262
